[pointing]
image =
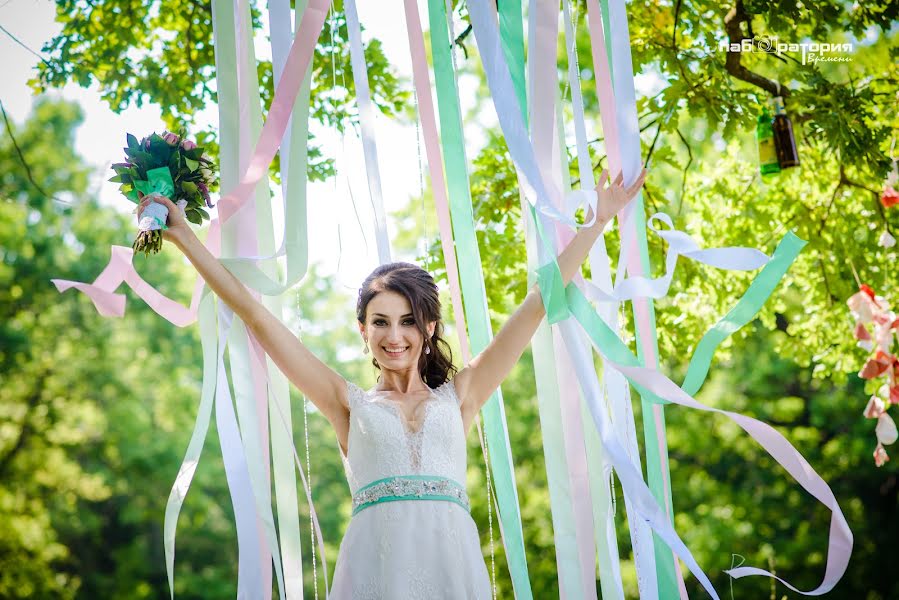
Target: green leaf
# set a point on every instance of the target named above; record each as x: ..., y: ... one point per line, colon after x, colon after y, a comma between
x: 189, y: 187
x: 193, y: 216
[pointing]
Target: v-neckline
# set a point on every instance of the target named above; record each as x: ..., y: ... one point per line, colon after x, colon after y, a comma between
x: 401, y: 416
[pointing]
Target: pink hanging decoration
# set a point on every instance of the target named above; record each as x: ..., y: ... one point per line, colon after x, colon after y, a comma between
x: 875, y: 408
x: 871, y: 309
x: 889, y: 197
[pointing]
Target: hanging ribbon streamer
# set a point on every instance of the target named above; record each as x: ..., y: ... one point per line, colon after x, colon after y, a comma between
x: 366, y: 121
x: 543, y: 31
x: 647, y: 379
x: 474, y: 294
x: 564, y: 472
x: 613, y: 388
x: 679, y: 244
x: 426, y: 114
x: 840, y: 538
x: 116, y: 272
x: 625, y: 157
x: 293, y: 176
x: 239, y: 239
x: 249, y: 571
x: 211, y: 358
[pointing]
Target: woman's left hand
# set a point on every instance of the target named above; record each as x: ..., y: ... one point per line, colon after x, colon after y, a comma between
x: 611, y: 199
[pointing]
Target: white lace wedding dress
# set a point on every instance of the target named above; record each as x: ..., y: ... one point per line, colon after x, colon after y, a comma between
x: 411, y: 535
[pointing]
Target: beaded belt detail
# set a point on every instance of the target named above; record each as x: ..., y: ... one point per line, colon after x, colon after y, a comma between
x: 410, y: 487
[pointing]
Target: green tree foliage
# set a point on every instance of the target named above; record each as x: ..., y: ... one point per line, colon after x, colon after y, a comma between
x: 88, y: 450
x: 162, y: 52
x: 698, y: 133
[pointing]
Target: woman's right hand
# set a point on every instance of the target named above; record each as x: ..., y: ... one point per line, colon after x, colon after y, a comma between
x: 176, y: 223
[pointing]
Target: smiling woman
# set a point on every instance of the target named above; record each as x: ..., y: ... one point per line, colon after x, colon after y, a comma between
x: 403, y: 442
x: 399, y: 318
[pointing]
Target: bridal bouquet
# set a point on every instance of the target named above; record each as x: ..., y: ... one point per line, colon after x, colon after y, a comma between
x: 164, y: 165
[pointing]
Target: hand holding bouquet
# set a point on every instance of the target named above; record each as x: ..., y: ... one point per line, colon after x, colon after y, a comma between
x: 165, y: 166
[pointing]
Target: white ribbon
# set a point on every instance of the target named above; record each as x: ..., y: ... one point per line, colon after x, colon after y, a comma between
x: 679, y: 244
x: 366, y: 122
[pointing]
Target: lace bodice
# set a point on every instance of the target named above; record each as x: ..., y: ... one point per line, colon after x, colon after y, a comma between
x: 380, y: 444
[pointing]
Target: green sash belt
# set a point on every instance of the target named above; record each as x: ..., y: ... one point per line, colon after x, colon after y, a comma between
x: 410, y: 487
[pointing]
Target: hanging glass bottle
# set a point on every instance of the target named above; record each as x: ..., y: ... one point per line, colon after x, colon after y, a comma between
x: 784, y: 141
x: 764, y: 133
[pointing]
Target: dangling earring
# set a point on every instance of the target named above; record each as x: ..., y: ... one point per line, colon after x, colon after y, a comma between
x: 427, y: 349
x: 365, y: 349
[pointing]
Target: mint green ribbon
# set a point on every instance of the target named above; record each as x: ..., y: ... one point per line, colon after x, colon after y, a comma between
x: 743, y: 311
x: 473, y: 292
x: 158, y: 181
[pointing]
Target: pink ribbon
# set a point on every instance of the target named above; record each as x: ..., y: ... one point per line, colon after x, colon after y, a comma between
x: 426, y: 113
x: 543, y: 120
x: 120, y: 269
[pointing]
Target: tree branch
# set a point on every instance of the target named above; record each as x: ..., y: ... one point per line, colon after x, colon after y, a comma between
x: 683, y: 183
x: 833, y: 198
x: 732, y: 65
x: 845, y: 180
x: 23, y: 161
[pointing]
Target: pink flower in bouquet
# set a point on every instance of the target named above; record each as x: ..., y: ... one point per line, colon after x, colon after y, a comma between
x: 188, y: 145
x: 171, y: 138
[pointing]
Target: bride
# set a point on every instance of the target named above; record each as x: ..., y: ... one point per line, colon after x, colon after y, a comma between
x: 403, y: 441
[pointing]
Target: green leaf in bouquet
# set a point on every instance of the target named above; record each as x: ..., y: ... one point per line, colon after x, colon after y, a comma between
x: 193, y: 153
x: 160, y: 151
x: 203, y: 213
x: 141, y: 157
x: 116, y: 179
x: 132, y: 142
x: 191, y: 164
x: 189, y: 188
x: 193, y: 216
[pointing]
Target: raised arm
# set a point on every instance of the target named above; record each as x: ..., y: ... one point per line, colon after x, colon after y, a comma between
x: 476, y: 382
x: 323, y: 386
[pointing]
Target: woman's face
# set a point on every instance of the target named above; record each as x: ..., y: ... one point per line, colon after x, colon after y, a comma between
x: 394, y: 339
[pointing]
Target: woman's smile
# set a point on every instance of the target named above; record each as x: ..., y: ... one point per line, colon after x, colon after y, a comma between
x: 395, y: 352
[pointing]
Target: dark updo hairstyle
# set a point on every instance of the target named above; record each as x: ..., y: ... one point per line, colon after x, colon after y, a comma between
x: 419, y: 288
